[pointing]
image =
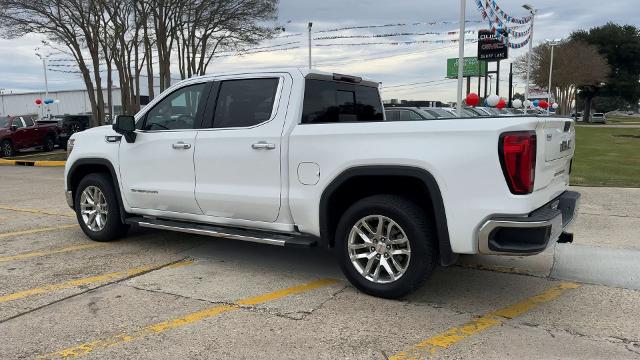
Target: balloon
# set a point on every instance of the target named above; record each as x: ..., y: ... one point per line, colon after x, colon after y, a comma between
x: 527, y: 103
x: 48, y: 101
x: 517, y: 103
x: 554, y: 106
x: 38, y: 101
x: 543, y: 104
x: 473, y: 99
x: 493, y: 100
x: 56, y: 101
x: 536, y: 103
x: 501, y: 104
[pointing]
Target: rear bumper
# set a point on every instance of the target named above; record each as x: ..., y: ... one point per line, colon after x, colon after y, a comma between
x: 531, y: 234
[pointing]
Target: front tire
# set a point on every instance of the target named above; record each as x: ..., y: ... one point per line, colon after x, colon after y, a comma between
x: 6, y: 149
x: 386, y: 246
x: 97, y: 208
x: 49, y: 144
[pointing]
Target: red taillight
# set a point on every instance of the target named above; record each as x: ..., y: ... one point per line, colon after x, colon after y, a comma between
x: 518, y: 159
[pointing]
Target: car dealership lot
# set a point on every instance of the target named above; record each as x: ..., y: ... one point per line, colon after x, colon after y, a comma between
x: 170, y: 295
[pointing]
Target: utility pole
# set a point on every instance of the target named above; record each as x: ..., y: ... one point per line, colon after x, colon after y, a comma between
x: 510, y: 85
x: 310, y: 26
x: 532, y: 11
x: 463, y: 9
x: 44, y: 57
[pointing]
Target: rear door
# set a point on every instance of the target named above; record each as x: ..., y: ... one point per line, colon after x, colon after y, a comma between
x: 237, y: 159
x: 33, y: 133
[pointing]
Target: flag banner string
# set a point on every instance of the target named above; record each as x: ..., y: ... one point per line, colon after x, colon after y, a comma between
x: 509, y: 18
x: 489, y: 15
x: 399, y: 43
x: 428, y: 23
x: 393, y: 35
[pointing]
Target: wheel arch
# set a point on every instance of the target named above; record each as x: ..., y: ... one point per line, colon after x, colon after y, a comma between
x: 83, y: 167
x: 357, y: 182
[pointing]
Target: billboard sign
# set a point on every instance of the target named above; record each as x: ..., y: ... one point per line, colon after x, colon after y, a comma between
x: 472, y: 67
x: 490, y: 47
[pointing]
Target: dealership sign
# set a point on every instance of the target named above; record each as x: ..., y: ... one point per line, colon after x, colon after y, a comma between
x: 472, y: 67
x: 492, y: 47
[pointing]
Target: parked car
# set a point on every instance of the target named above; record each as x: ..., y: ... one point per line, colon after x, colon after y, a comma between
x: 296, y: 157
x: 71, y: 124
x: 407, y: 114
x: 22, y: 132
x: 598, y: 118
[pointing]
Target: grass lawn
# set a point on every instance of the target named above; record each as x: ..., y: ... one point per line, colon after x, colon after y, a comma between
x: 58, y: 155
x: 623, y: 119
x: 606, y: 157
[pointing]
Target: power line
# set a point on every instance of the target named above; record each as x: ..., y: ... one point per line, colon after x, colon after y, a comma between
x: 392, y: 35
x: 428, y: 23
x: 397, y: 43
x: 415, y: 83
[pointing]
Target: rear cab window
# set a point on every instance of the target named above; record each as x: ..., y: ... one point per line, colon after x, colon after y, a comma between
x: 330, y: 101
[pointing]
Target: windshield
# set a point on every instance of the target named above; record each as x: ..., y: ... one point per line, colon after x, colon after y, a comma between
x: 4, y: 122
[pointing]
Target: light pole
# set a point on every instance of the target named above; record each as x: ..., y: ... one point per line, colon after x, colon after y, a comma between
x: 310, y: 26
x: 533, y: 12
x: 463, y: 16
x: 553, y: 44
x: 44, y: 57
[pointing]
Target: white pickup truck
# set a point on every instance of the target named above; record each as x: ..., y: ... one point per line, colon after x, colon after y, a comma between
x: 303, y: 158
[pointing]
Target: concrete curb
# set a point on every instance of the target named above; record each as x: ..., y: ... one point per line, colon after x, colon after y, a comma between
x: 42, y: 163
x: 582, y: 263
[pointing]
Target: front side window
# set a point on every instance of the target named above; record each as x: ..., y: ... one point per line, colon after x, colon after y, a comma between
x: 17, y: 122
x: 244, y: 103
x: 177, y: 111
x: 332, y: 102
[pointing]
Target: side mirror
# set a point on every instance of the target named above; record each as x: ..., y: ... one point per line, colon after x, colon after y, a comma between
x: 14, y: 128
x: 125, y: 125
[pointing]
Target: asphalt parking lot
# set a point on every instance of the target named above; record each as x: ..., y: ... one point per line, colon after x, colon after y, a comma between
x: 176, y: 296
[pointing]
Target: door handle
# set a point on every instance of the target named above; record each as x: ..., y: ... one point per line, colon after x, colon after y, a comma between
x: 263, y: 145
x: 181, y: 145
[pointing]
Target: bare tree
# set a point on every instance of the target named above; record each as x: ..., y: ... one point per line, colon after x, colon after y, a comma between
x: 209, y: 26
x: 69, y: 23
x: 576, y: 64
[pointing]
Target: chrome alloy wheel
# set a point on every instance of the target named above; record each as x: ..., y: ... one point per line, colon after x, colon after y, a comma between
x: 379, y: 249
x: 93, y: 208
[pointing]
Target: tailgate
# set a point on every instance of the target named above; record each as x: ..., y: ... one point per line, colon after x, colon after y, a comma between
x: 559, y: 138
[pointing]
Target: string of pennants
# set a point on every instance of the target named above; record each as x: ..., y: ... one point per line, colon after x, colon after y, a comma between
x: 499, y: 28
x: 428, y: 23
x: 400, y: 42
x: 393, y: 35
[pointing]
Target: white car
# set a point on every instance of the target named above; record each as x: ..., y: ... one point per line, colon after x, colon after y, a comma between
x: 305, y: 158
x: 599, y: 118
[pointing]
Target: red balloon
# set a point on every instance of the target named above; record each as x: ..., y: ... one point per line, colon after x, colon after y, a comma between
x: 473, y: 99
x: 38, y: 101
x: 501, y: 104
x: 543, y: 104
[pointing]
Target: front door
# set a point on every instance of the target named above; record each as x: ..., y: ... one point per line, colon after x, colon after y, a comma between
x: 237, y: 159
x: 157, y: 169
x: 20, y: 135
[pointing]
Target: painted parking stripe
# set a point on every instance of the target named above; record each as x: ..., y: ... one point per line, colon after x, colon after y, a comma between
x: 61, y: 250
x: 37, y: 230
x: 179, y: 322
x: 119, y: 275
x: 456, y: 334
x: 36, y: 211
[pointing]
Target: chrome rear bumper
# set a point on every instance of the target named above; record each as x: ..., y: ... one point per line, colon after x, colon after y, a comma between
x: 531, y: 234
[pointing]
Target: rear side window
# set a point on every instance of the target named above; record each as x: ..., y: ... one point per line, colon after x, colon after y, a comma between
x: 28, y: 121
x: 243, y: 103
x: 333, y: 102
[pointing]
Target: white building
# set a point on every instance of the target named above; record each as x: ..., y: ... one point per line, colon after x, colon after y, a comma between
x: 70, y: 102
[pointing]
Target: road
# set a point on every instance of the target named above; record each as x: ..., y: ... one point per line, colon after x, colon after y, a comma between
x: 177, y: 296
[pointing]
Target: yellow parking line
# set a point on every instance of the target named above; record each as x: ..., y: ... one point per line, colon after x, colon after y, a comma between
x: 456, y: 334
x: 88, y: 347
x: 36, y: 211
x: 89, y: 280
x: 51, y: 252
x: 38, y: 230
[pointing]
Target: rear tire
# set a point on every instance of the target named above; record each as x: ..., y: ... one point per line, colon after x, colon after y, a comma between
x: 6, y: 149
x: 49, y: 144
x: 97, y: 208
x: 406, y: 245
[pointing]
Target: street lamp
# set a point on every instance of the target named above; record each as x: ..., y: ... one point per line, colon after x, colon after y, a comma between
x: 533, y: 12
x: 553, y: 44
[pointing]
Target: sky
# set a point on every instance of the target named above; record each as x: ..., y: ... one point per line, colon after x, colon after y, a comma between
x: 395, y: 66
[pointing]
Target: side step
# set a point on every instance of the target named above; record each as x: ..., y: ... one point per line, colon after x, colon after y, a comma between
x: 263, y: 237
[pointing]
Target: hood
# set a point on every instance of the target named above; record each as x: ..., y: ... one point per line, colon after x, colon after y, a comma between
x: 98, y: 130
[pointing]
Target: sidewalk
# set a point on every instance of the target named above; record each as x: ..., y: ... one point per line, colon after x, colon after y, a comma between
x: 605, y: 250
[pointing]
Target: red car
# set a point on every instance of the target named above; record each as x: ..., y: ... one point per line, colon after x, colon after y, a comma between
x: 22, y: 132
